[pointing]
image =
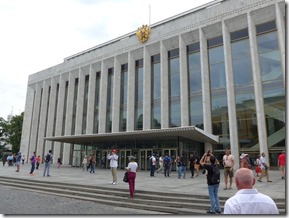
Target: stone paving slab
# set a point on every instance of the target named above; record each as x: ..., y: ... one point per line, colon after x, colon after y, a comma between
x: 159, y: 183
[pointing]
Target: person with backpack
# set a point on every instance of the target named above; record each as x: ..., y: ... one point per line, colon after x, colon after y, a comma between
x: 167, y: 163
x: 213, y: 181
x: 47, y: 160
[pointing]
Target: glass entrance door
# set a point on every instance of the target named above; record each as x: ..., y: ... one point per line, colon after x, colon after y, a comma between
x: 144, y: 159
x: 173, y: 154
x: 123, y: 158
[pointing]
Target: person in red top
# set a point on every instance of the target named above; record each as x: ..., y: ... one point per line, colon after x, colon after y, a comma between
x: 282, y: 163
x: 38, y: 160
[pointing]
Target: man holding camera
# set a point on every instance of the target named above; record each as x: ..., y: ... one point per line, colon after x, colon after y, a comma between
x: 113, y: 165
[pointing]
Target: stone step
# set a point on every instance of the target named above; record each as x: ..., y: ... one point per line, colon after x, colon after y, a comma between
x: 171, y: 203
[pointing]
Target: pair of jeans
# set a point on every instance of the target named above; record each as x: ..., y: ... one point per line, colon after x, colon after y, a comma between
x: 184, y: 170
x: 153, y: 168
x: 179, y: 168
x: 46, y: 168
x: 32, y: 168
x: 92, y: 168
x: 214, y: 198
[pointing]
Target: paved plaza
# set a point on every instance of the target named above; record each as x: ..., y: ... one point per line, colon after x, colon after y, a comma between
x: 159, y: 183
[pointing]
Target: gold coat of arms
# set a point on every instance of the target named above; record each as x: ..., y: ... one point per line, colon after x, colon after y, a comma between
x: 143, y: 33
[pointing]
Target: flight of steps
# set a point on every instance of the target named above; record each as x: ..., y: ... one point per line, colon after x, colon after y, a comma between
x: 170, y: 203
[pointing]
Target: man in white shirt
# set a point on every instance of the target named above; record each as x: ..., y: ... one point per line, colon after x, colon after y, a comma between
x: 113, y: 165
x: 248, y: 200
x: 153, y: 165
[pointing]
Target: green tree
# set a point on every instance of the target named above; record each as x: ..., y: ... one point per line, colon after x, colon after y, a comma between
x: 15, y: 131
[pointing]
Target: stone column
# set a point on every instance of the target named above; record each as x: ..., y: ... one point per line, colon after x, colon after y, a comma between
x: 35, y: 119
x: 258, y: 87
x: 116, y: 96
x: 184, y: 83
x: 80, y: 102
x: 59, y: 119
x: 42, y: 121
x: 233, y: 127
x: 51, y: 113
x: 26, y: 130
x: 131, y: 93
x: 91, y: 101
x: 103, y: 98
x: 164, y: 87
x: 281, y: 36
x: 207, y: 113
x: 147, y: 79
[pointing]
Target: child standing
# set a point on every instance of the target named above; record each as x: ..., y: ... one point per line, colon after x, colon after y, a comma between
x: 38, y: 160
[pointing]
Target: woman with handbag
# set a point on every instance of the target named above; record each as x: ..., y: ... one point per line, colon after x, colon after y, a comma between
x: 264, y: 168
x: 258, y: 166
x: 131, y: 169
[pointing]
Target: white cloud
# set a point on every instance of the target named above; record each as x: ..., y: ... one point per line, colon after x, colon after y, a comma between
x: 36, y: 35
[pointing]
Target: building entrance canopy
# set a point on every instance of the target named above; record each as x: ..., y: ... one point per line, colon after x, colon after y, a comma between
x: 192, y: 133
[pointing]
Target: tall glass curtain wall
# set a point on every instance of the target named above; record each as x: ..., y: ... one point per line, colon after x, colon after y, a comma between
x: 74, y: 106
x: 273, y: 87
x: 123, y: 97
x: 218, y: 87
x: 195, y: 85
x: 156, y: 92
x: 84, y: 115
x: 138, y: 95
x: 244, y: 90
x: 109, y: 100
x: 174, y: 89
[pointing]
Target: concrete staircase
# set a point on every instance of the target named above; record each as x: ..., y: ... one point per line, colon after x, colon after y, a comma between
x: 167, y: 203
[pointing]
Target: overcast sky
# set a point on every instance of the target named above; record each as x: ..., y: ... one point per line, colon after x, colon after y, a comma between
x: 36, y: 35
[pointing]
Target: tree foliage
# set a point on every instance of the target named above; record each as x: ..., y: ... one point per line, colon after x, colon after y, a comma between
x: 10, y: 132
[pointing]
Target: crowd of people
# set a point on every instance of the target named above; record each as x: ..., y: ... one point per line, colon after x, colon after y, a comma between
x: 246, y: 200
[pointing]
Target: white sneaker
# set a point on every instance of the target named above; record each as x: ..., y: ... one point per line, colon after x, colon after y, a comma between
x: 114, y: 183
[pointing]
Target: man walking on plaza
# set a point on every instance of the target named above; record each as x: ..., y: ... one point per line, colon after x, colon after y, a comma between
x: 248, y: 200
x: 113, y: 165
x: 264, y: 168
x: 282, y: 163
x: 152, y: 165
x: 47, y: 160
x: 228, y: 162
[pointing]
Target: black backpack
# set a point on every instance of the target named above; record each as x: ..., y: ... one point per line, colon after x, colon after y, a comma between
x: 48, y: 157
x: 215, y: 179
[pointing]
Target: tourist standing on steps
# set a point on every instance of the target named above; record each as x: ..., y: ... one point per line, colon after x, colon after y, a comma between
x: 161, y: 164
x: 248, y: 200
x: 18, y: 161
x: 32, y: 161
x: 132, y: 169
x: 47, y: 159
x: 113, y: 165
x: 213, y: 187
x: 264, y: 168
x: 84, y: 162
x: 228, y: 162
x: 152, y: 165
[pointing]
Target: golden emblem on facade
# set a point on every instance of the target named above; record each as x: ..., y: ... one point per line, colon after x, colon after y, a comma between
x: 143, y: 33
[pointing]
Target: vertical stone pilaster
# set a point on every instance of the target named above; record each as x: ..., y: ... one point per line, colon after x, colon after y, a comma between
x: 164, y: 87
x: 207, y: 113
x: 80, y: 102
x: 91, y: 101
x: 42, y: 121
x: 184, y: 83
x: 116, y: 96
x: 59, y: 119
x: 103, y: 98
x: 27, y: 123
x: 35, y: 119
x: 50, y: 121
x: 258, y: 87
x: 131, y: 93
x: 280, y: 22
x: 147, y: 77
x: 234, y: 140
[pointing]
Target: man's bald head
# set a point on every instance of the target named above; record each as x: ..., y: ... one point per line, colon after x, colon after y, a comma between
x: 244, y: 178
